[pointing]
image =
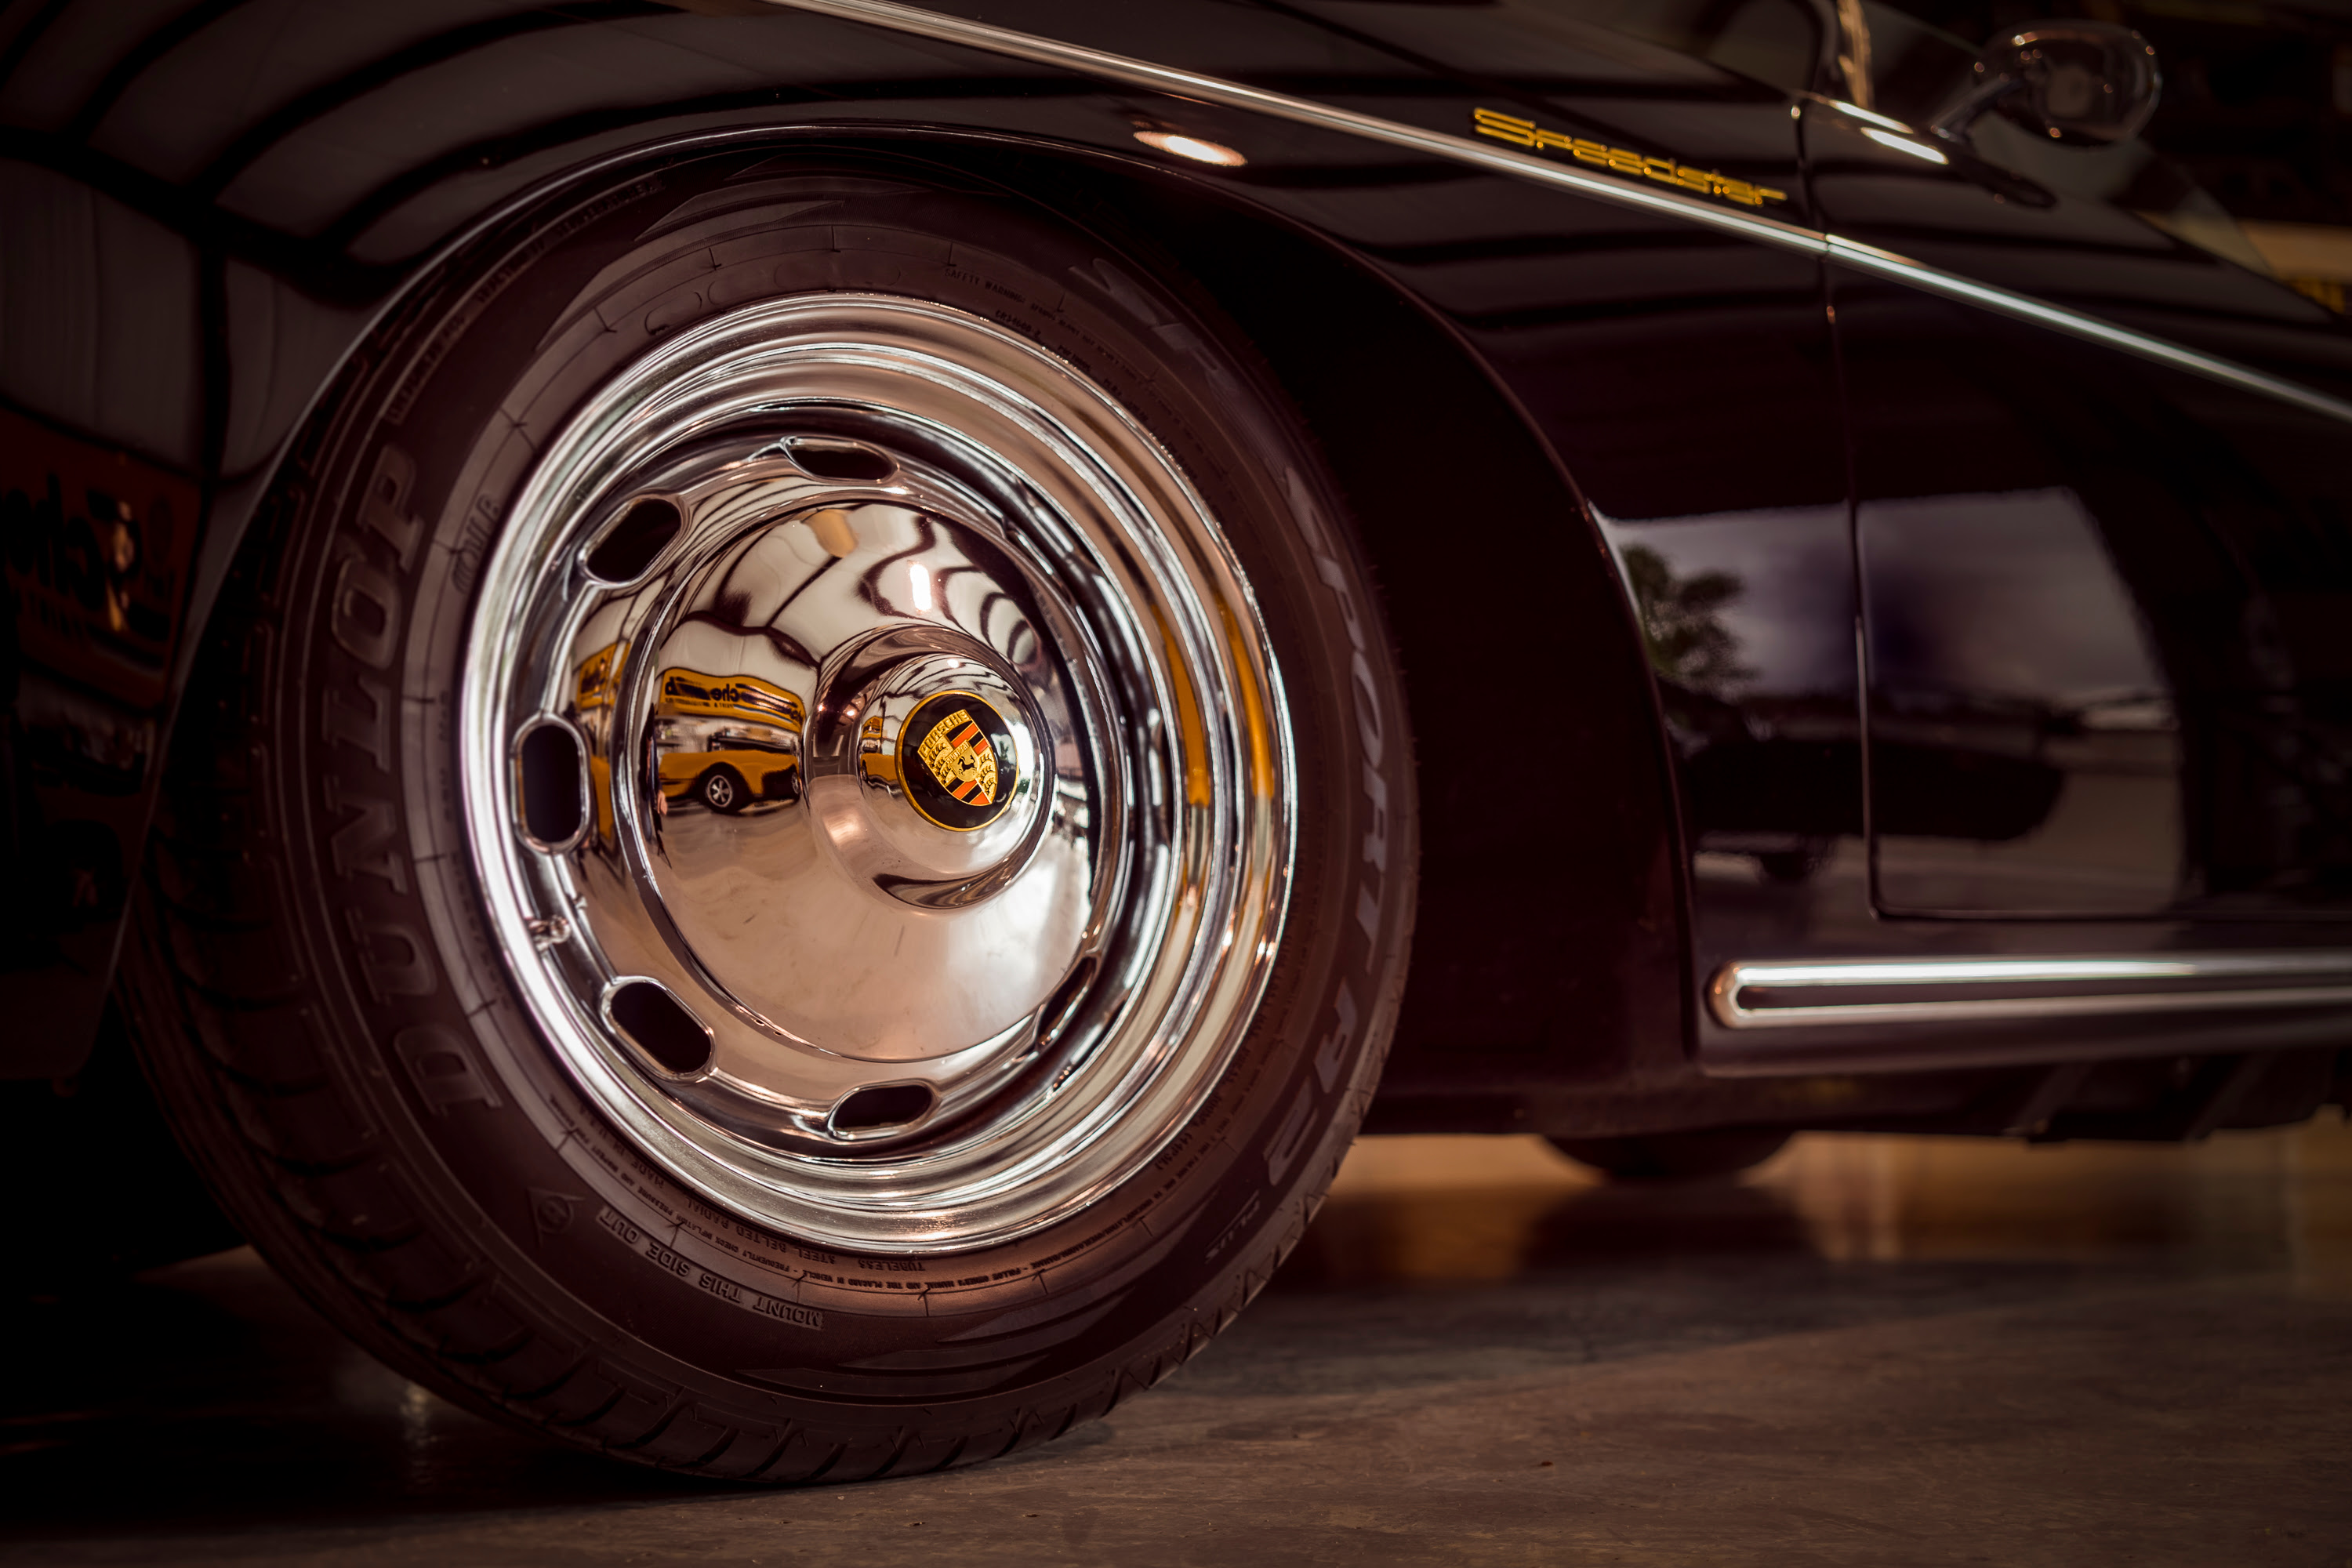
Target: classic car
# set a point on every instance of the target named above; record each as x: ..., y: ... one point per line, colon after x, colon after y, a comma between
x: 1657, y: 575
x: 722, y: 740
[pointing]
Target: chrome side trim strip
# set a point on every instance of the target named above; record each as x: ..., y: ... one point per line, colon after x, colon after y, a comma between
x: 2315, y: 978
x: 1886, y: 264
x: 2025, y: 307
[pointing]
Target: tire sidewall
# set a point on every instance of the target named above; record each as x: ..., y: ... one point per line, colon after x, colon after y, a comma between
x: 428, y: 445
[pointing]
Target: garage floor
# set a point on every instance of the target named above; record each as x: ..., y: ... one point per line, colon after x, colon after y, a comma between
x: 1876, y: 1351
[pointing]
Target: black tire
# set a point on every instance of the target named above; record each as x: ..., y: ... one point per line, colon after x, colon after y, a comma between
x: 314, y: 972
x: 1707, y: 1154
x: 722, y: 789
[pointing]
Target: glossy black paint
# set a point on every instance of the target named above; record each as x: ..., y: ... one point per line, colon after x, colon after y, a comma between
x: 2161, y: 617
x: 2105, y: 610
x: 1535, y: 399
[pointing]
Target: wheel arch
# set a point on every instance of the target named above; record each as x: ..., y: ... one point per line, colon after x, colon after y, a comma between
x: 1588, y: 902
x: 1525, y: 904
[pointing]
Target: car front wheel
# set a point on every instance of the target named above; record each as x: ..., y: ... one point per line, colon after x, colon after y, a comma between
x: 898, y: 1125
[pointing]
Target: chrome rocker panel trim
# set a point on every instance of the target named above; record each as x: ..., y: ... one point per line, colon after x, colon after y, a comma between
x: 2169, y: 983
x: 1831, y: 247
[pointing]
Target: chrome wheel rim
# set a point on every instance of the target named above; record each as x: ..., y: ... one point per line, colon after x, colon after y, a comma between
x: 878, y: 773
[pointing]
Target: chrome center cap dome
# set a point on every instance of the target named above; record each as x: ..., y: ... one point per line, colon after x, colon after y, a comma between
x: 853, y: 813
x: 838, y: 758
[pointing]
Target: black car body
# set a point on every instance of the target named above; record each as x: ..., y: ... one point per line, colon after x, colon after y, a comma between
x: 2100, y: 593
x: 1875, y: 609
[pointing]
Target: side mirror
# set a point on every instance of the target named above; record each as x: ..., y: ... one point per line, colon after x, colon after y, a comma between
x: 2085, y: 84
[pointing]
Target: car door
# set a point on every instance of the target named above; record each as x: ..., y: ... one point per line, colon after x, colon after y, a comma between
x: 2103, y: 594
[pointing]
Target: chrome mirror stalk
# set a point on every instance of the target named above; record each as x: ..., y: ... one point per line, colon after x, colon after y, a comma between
x: 2084, y: 84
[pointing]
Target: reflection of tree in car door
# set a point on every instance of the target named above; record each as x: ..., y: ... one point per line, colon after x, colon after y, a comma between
x: 1682, y: 622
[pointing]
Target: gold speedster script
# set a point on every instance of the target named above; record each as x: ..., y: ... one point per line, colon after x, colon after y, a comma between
x: 1623, y: 161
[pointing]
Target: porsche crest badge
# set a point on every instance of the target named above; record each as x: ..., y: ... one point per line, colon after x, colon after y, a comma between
x: 961, y: 759
x: 956, y: 761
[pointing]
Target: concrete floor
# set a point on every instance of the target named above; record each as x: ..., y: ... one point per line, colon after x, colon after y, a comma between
x: 1874, y: 1352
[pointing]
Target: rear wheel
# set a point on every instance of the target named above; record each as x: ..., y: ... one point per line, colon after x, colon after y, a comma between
x: 722, y: 790
x: 892, y: 1126
x: 1708, y: 1153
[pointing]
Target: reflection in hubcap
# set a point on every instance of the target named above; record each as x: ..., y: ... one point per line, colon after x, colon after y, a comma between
x: 889, y: 918
x: 952, y: 801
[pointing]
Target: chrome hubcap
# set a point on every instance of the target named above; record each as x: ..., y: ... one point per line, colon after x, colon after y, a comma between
x: 878, y: 773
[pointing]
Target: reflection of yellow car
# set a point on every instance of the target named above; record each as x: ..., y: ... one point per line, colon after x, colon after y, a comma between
x: 881, y: 763
x: 732, y: 772
x: 599, y: 675
x: 593, y: 687
x: 727, y: 740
